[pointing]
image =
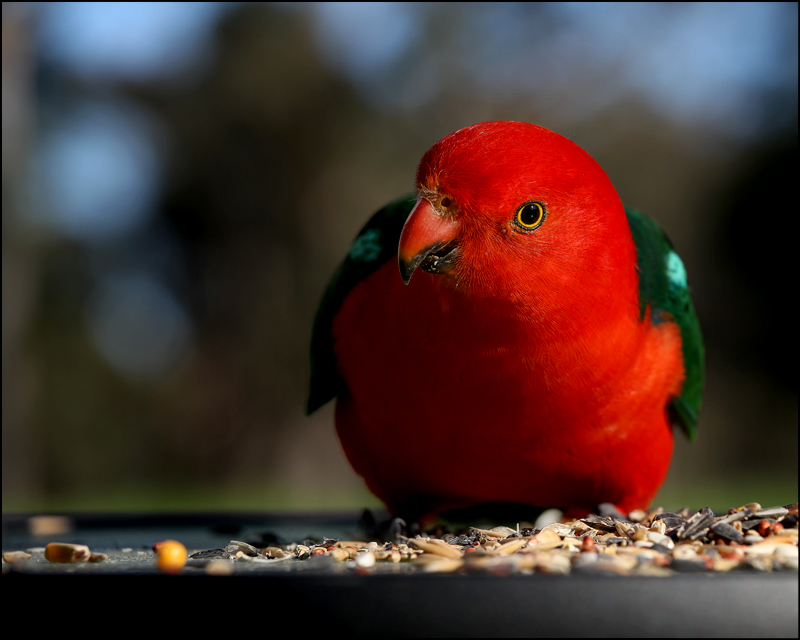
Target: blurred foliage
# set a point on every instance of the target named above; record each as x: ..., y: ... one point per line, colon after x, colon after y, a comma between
x: 272, y: 162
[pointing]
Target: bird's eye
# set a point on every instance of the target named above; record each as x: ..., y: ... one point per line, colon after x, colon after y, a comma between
x: 530, y: 215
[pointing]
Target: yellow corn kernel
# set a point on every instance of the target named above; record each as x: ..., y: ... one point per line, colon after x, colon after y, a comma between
x: 171, y: 556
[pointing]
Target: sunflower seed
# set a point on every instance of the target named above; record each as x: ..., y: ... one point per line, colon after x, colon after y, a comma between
x: 670, y: 521
x: 601, y: 524
x: 697, y: 525
x: 238, y: 545
x: 727, y: 531
x: 772, y: 512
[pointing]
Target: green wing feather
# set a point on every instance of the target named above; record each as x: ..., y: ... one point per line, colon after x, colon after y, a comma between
x: 374, y: 245
x: 662, y: 286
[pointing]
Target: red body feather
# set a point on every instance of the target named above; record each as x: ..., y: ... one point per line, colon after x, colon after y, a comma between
x: 524, y: 372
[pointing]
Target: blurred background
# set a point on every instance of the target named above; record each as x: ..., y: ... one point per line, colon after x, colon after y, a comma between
x: 180, y: 181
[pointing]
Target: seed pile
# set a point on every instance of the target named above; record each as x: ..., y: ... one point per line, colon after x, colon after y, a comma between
x: 657, y: 543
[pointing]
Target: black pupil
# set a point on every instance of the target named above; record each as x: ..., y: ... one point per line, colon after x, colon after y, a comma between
x: 529, y: 214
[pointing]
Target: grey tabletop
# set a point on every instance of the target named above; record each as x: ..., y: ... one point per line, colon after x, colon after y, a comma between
x: 392, y: 599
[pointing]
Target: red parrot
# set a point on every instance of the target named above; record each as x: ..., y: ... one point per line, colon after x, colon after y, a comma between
x: 535, y: 347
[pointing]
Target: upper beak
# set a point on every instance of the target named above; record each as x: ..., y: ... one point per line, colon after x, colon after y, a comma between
x: 424, y: 234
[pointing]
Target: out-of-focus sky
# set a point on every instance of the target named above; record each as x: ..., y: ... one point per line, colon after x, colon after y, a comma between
x: 180, y: 179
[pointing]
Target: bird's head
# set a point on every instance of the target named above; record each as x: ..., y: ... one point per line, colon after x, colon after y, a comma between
x: 505, y: 208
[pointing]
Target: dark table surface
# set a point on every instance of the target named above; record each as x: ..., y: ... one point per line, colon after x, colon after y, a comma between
x: 393, y: 600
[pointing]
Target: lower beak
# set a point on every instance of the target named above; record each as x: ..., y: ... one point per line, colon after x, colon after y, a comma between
x: 428, y: 240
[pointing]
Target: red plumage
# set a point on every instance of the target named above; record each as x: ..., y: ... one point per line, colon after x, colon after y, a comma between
x: 523, y: 373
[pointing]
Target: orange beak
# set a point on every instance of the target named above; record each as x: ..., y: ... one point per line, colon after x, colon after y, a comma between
x: 428, y: 241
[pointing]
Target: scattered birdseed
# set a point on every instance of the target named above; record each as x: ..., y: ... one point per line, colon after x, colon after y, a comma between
x: 302, y: 552
x: 658, y: 543
x: 211, y: 553
x: 274, y: 552
x: 432, y: 547
x: 654, y: 543
x: 16, y: 556
x: 237, y: 545
x: 63, y: 552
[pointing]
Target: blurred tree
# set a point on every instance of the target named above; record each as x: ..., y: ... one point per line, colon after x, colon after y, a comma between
x: 295, y: 125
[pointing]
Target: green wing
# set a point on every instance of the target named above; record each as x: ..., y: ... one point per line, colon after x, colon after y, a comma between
x: 662, y: 285
x: 375, y: 244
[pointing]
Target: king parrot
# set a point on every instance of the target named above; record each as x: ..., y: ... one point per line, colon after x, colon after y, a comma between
x: 535, y: 348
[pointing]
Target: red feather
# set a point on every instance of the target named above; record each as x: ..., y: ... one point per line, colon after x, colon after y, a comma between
x: 524, y: 373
